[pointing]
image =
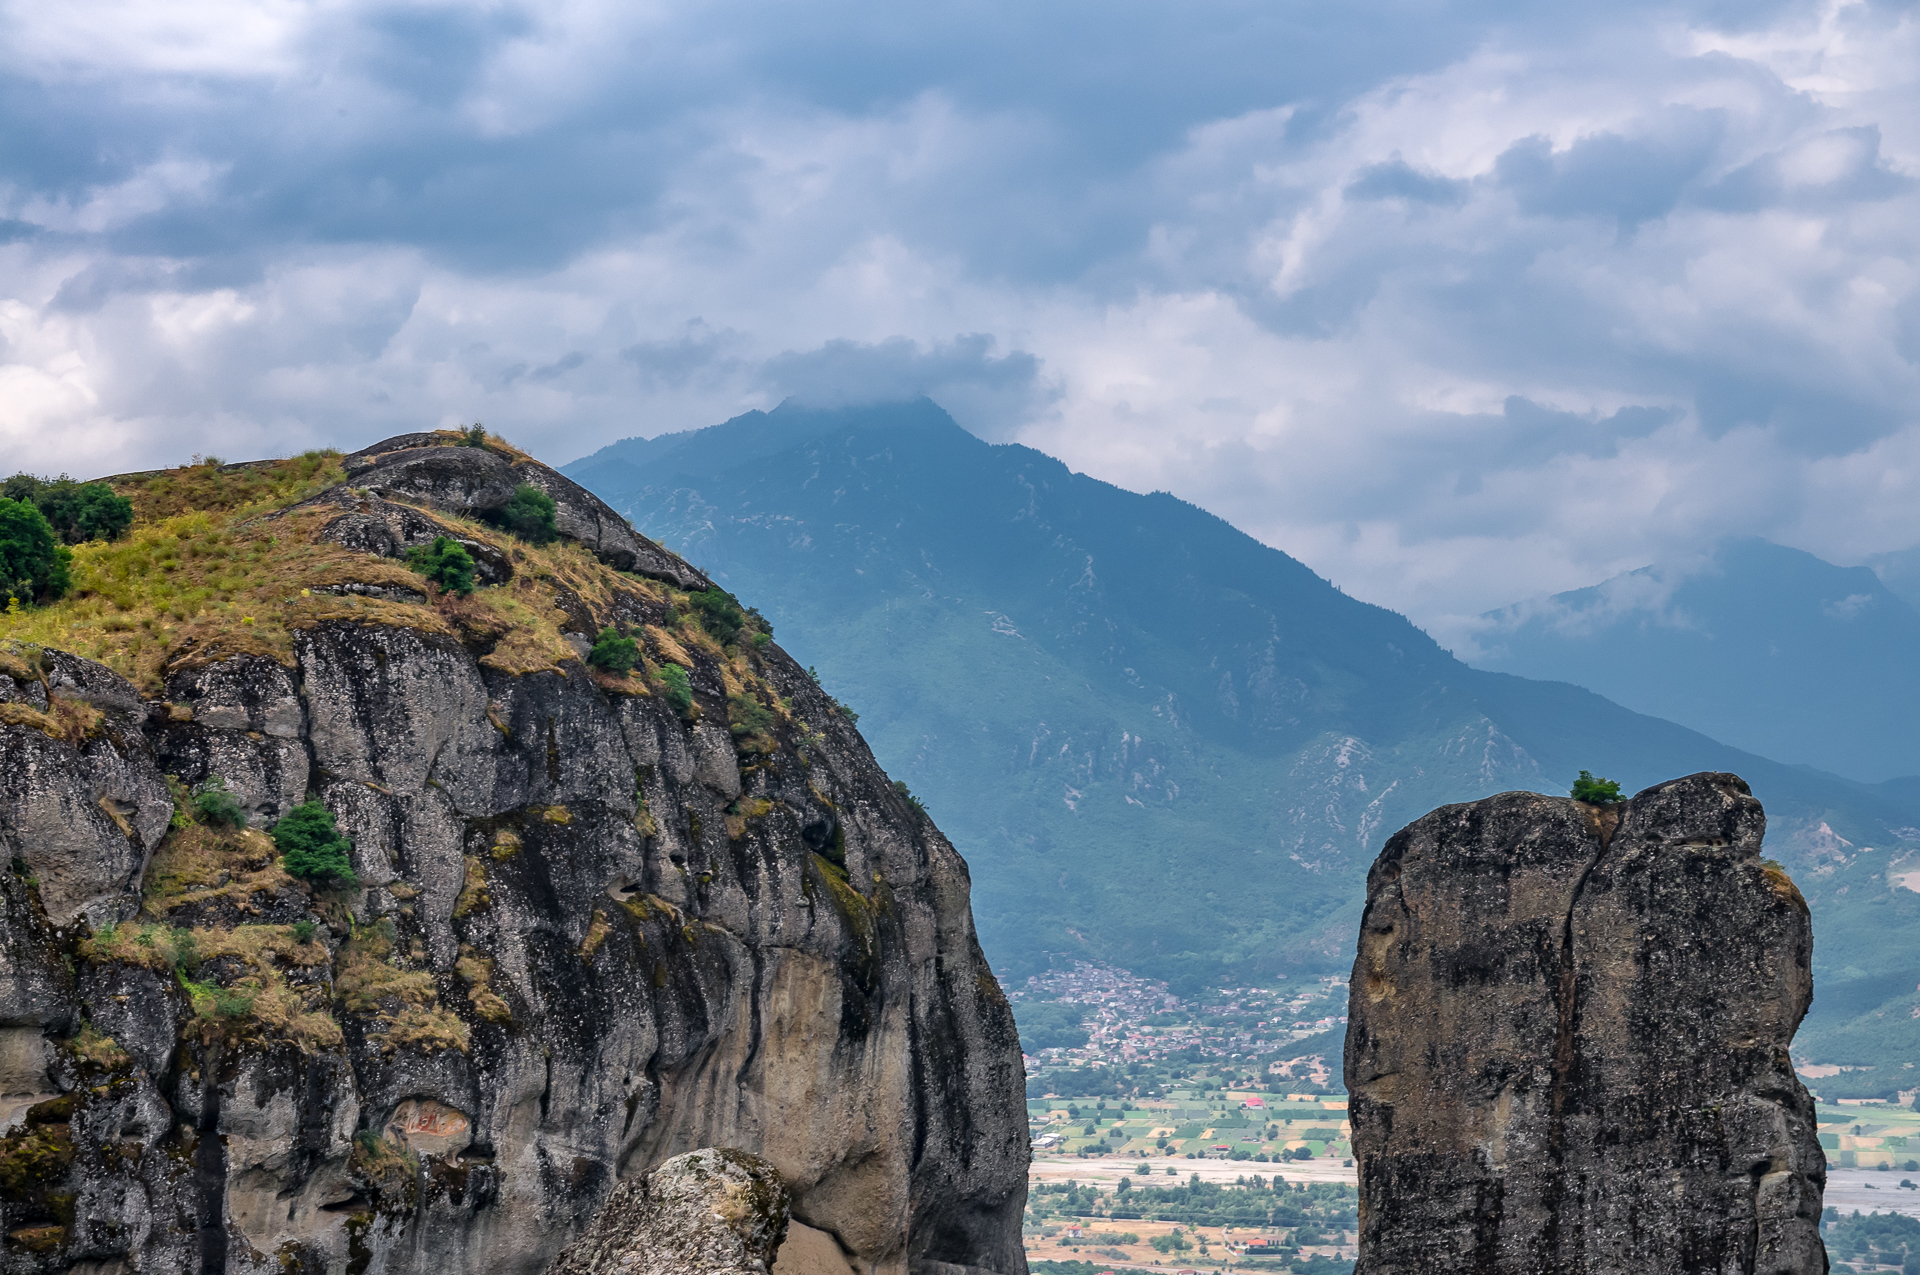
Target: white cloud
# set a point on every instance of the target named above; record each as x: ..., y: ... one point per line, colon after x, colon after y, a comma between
x: 1543, y: 307
x: 243, y: 38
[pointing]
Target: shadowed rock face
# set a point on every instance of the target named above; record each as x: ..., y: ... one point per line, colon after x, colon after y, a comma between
x: 1567, y: 1041
x: 591, y: 934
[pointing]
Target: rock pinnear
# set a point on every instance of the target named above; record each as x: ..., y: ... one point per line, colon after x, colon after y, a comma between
x: 599, y: 919
x: 1567, y: 1042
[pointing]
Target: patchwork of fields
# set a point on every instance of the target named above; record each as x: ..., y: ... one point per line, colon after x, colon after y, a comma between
x: 1241, y: 1124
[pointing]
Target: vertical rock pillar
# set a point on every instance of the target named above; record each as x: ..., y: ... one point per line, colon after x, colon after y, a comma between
x: 1567, y: 1048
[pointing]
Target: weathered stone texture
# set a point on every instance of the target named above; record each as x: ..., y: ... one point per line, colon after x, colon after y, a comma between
x: 592, y: 985
x: 1567, y: 1046
x: 708, y: 1212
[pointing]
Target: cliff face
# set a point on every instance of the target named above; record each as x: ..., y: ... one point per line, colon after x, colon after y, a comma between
x: 1567, y: 1041
x: 593, y: 929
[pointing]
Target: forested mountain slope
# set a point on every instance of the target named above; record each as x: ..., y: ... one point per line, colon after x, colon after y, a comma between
x: 1159, y: 742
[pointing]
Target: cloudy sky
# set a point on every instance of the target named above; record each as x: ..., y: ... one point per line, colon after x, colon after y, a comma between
x: 1460, y: 303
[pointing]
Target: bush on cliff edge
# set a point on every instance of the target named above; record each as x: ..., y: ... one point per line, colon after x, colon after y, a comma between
x: 1599, y: 792
x: 312, y: 848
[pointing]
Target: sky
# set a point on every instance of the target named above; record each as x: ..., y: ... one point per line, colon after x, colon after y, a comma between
x: 1460, y: 304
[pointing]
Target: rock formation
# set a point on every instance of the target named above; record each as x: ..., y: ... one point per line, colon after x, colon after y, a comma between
x: 1567, y: 1041
x: 704, y: 1213
x: 600, y: 920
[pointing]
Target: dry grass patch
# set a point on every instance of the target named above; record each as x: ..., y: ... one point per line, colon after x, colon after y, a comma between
x: 197, y: 862
x: 405, y: 1002
x: 667, y: 647
x: 258, y: 1005
x: 425, y: 1028
x: 208, y: 487
x: 474, y: 894
x: 91, y: 1045
x: 69, y: 720
x: 367, y: 978
x: 597, y: 933
x: 475, y: 968
x: 21, y: 663
x: 198, y: 587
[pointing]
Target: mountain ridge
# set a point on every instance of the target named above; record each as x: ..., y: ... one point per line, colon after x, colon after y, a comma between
x: 1767, y: 647
x: 1161, y: 743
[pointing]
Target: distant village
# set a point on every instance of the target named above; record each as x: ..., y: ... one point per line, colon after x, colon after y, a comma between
x: 1132, y: 1020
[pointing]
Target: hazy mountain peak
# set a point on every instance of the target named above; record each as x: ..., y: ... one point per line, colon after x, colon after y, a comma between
x: 752, y: 436
x: 1765, y: 646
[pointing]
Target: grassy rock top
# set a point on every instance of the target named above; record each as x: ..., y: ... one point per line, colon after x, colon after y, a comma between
x: 233, y: 560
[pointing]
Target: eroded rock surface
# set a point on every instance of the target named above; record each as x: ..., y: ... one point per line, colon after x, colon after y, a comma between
x: 592, y: 932
x: 1567, y: 1041
x: 422, y: 469
x: 708, y: 1212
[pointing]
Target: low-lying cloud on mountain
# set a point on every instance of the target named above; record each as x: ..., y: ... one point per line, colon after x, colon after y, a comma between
x: 1767, y: 648
x: 1457, y: 304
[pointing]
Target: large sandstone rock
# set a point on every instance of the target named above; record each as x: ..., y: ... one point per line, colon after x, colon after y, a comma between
x: 1567, y: 1047
x: 591, y: 935
x: 709, y: 1212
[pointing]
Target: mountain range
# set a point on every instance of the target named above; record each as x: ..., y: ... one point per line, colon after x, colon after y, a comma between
x: 1766, y: 647
x: 1163, y: 744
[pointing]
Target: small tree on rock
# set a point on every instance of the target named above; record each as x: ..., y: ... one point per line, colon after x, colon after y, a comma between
x: 613, y: 653
x: 679, y: 688
x: 312, y: 847
x: 719, y: 613
x: 1599, y: 792
x: 529, y: 515
x: 446, y: 563
x: 217, y: 806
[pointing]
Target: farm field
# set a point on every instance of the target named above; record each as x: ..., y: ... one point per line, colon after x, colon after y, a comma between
x: 1249, y: 1221
x: 1241, y: 1126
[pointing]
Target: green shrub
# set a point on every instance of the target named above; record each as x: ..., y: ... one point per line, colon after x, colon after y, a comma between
x: 215, y: 805
x: 719, y: 613
x: 311, y: 846
x: 748, y: 716
x: 615, y: 654
x: 304, y: 930
x: 475, y: 437
x: 33, y: 563
x: 529, y: 515
x: 446, y: 563
x: 906, y: 794
x: 1600, y: 792
x: 186, y: 950
x: 679, y: 688
x: 77, y: 512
